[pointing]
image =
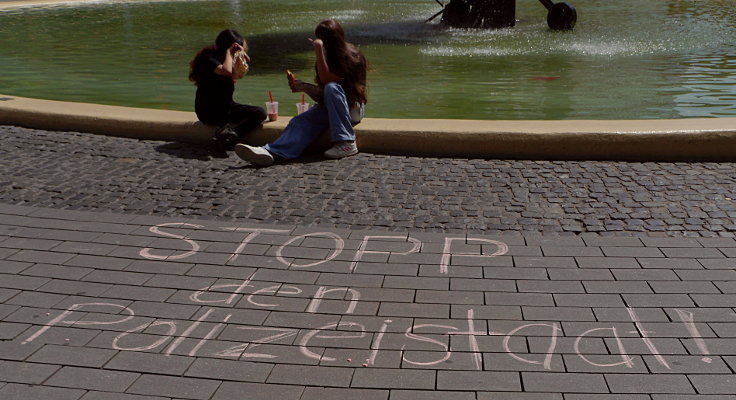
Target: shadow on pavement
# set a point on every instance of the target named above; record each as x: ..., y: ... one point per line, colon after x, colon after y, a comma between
x: 187, y: 151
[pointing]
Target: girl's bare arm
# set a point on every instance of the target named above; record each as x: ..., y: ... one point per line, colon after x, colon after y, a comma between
x: 226, y: 68
x: 323, y: 70
x: 313, y: 91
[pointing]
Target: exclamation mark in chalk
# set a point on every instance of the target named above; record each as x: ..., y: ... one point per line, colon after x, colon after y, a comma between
x: 688, y: 319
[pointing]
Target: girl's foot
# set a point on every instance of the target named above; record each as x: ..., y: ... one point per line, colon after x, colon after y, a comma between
x: 226, y: 134
x: 254, y: 155
x: 342, y: 149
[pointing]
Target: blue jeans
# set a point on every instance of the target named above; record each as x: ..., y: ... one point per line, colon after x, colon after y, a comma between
x: 303, y: 129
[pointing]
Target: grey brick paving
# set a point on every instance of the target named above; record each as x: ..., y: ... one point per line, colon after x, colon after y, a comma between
x: 169, y: 386
x: 9, y: 330
x: 694, y: 397
x: 633, y: 383
x: 256, y: 391
x: 92, y: 379
x: 10, y: 281
x: 6, y: 294
x: 320, y: 393
x: 57, y: 271
x: 311, y: 375
x: 564, y: 382
x: 574, y: 396
x: 229, y: 370
x: 478, y: 380
x: 427, y: 395
x: 518, y: 396
x: 76, y: 356
x: 640, y: 311
x: 93, y: 395
x: 152, y: 363
x: 714, y: 384
x: 393, y: 378
x: 13, y: 391
x: 21, y: 372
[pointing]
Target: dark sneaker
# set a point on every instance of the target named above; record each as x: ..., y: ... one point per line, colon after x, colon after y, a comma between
x: 226, y: 134
x: 218, y: 149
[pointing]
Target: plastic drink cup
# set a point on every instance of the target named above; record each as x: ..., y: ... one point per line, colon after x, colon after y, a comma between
x: 272, y: 109
x: 301, y: 107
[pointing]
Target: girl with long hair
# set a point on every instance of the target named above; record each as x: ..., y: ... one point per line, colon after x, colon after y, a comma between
x: 212, y: 71
x: 340, y: 94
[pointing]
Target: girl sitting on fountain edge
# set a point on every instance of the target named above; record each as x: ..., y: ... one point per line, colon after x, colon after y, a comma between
x: 212, y: 72
x: 340, y: 94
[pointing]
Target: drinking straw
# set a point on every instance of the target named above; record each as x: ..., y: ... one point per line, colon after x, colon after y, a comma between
x: 302, y: 98
x: 270, y: 96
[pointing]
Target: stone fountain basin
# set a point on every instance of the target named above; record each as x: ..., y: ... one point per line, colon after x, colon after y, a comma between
x: 695, y: 139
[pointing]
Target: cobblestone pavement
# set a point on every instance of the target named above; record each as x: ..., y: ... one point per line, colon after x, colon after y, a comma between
x: 111, y: 306
x: 89, y: 172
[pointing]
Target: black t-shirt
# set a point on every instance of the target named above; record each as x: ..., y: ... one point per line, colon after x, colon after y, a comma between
x: 214, y: 92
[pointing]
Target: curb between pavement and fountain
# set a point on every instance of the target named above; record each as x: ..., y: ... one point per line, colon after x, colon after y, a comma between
x: 692, y: 139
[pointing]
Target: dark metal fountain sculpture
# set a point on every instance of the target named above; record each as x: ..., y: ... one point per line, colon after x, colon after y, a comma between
x: 500, y: 14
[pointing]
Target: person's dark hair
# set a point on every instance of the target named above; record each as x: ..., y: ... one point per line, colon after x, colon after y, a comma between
x: 344, y: 59
x: 224, y: 40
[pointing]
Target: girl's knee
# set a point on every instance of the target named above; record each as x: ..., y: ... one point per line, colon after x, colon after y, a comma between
x: 333, y: 88
x: 260, y: 114
x: 299, y: 121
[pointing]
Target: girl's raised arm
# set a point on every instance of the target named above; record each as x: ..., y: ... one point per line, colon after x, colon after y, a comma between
x: 323, y: 70
x: 226, y: 68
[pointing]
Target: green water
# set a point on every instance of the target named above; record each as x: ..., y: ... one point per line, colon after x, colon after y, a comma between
x: 624, y: 60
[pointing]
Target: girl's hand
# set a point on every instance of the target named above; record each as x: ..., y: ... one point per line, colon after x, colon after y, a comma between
x: 235, y: 47
x: 296, y: 85
x: 317, y: 43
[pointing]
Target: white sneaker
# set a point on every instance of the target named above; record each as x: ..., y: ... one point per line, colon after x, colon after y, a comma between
x: 254, y: 155
x: 342, y: 149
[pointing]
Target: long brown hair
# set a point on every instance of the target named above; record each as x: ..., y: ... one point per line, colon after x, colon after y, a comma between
x: 345, y: 60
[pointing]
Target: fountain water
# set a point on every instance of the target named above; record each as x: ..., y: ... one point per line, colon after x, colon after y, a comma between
x: 660, y: 59
x: 501, y: 14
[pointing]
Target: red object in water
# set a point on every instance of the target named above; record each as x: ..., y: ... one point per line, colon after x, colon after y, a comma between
x: 546, y: 78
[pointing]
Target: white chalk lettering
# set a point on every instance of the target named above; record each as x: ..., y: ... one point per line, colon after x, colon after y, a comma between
x: 547, y: 363
x: 163, y: 339
x: 376, y: 344
x: 61, y: 318
x: 447, y: 254
x: 688, y: 319
x: 339, y: 246
x: 645, y: 337
x: 209, y: 336
x: 411, y: 335
x: 252, y: 235
x: 266, y: 290
x: 146, y: 252
x: 282, y: 333
x: 280, y: 289
x: 196, y: 296
x: 304, y: 341
x: 472, y: 341
x: 628, y: 361
x: 187, y: 332
x: 317, y: 298
x: 362, y: 249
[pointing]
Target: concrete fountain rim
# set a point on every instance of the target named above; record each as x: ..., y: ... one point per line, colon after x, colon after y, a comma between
x: 688, y: 139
